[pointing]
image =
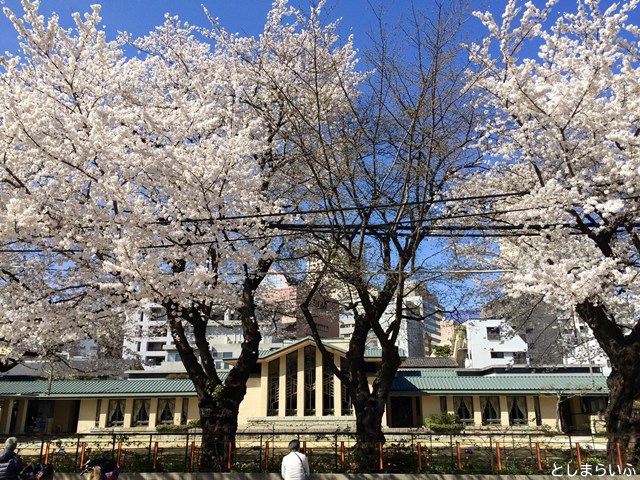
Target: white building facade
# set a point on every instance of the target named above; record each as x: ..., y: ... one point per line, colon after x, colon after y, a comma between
x: 492, y: 342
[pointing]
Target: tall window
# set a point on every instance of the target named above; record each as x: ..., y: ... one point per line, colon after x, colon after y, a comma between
x: 327, y: 390
x: 490, y: 410
x: 98, y: 408
x: 141, y: 408
x: 464, y: 408
x: 309, y: 380
x: 538, y: 413
x: 347, y: 405
x: 166, y: 411
x: 115, y: 417
x: 443, y: 404
x: 517, y: 410
x: 184, y: 414
x: 273, y: 382
x: 291, y: 407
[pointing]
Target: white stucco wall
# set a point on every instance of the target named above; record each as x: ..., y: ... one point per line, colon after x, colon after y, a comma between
x: 484, y: 352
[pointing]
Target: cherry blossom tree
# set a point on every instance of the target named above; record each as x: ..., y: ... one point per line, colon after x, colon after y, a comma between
x: 378, y: 187
x: 153, y: 178
x: 561, y: 95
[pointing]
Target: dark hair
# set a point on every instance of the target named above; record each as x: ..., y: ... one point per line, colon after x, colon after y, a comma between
x: 294, y: 445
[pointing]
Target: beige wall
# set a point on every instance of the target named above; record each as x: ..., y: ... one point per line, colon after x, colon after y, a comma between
x: 86, y: 419
x: 430, y: 405
x: 254, y: 403
x: 548, y: 412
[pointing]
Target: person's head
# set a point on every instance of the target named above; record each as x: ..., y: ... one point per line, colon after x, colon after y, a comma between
x: 11, y: 444
x: 96, y: 473
x: 294, y: 445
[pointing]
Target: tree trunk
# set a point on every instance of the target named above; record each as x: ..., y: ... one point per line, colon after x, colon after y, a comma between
x: 219, y: 406
x: 622, y: 346
x: 369, y: 404
x: 369, y: 435
x: 216, y: 434
x: 218, y: 402
x: 623, y: 411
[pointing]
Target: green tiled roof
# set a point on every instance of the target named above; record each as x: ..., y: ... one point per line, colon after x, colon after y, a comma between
x: 407, y: 382
x: 97, y: 388
x: 445, y: 381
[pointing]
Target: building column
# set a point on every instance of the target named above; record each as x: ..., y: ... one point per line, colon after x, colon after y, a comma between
x: 177, y: 413
x: 264, y: 389
x: 504, y: 411
x: 153, y: 412
x: 477, y: 411
x: 300, y: 383
x: 319, y: 383
x: 104, y: 413
x: 128, y: 413
x: 337, y: 389
x: 5, y: 417
x: 22, y: 415
x: 282, y: 386
x: 531, y: 412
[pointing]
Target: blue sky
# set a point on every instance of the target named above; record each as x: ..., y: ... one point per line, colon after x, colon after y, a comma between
x: 245, y: 16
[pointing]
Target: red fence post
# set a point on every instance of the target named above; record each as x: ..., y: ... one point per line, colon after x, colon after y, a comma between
x: 499, y: 458
x: 419, y: 458
x: 342, y: 454
x: 619, y: 454
x: 579, y: 455
x: 381, y: 460
x: 84, y: 446
x: 459, y: 454
x: 538, y: 455
x: 192, y: 457
x: 119, y: 454
x: 155, y: 456
x: 266, y: 456
x: 229, y: 458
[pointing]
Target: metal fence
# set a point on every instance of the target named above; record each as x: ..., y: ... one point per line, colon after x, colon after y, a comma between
x: 410, y: 451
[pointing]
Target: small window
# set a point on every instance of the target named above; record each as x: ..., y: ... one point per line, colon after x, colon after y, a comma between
x: 497, y: 354
x: 98, y: 408
x: 155, y: 346
x: 157, y: 314
x: 116, y: 413
x: 166, y: 410
x: 493, y: 333
x: 517, y: 410
x: 141, y: 407
x: 490, y: 407
x: 464, y: 408
x: 519, y: 358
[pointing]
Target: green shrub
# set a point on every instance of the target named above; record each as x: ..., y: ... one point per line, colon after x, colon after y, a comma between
x: 444, y: 423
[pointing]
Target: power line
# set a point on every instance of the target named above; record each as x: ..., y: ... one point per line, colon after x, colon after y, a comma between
x: 382, y: 206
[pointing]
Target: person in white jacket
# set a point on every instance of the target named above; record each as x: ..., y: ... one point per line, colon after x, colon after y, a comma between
x: 295, y: 465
